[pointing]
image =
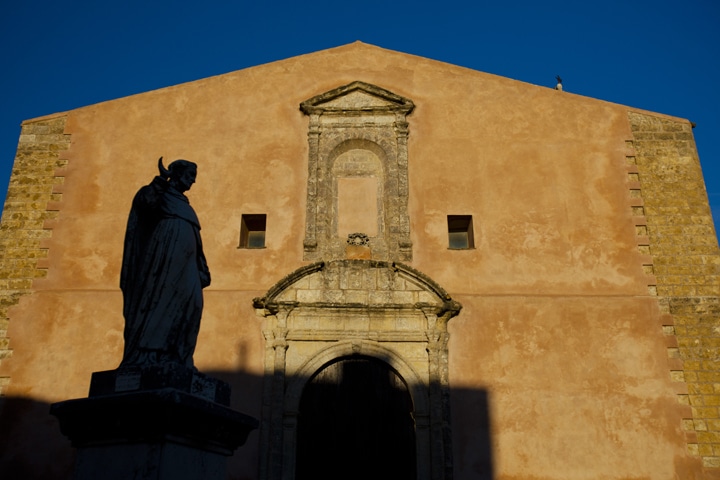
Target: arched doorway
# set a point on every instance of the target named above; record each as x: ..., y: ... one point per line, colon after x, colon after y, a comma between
x: 344, y: 309
x: 356, y: 422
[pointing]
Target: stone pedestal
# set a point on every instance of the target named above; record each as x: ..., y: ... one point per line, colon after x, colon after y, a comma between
x: 153, y: 423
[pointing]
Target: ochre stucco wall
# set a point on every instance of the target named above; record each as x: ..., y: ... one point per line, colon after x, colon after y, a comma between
x: 559, y: 336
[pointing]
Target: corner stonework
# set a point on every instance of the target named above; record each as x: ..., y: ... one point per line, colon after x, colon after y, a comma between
x: 30, y: 206
x: 675, y: 229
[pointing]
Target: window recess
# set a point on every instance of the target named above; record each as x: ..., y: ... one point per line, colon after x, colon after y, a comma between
x: 252, y: 231
x: 460, y: 232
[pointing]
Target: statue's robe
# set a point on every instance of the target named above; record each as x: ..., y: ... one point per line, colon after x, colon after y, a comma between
x: 163, y: 274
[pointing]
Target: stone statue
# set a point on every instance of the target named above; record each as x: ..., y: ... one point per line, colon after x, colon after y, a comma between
x: 163, y: 271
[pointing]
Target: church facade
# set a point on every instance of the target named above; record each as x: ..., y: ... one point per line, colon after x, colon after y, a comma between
x: 418, y: 270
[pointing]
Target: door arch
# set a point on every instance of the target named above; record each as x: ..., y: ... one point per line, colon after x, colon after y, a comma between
x: 332, y: 310
x: 356, y: 420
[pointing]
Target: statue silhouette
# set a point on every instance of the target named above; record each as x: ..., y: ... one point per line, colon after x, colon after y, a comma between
x: 163, y: 271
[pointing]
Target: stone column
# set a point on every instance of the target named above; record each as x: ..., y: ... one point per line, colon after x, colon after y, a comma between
x: 310, y: 242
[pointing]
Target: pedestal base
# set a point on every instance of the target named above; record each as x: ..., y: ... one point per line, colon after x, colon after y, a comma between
x: 155, y: 434
x: 157, y: 461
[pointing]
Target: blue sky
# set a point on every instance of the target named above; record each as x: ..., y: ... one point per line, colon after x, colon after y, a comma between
x: 659, y: 55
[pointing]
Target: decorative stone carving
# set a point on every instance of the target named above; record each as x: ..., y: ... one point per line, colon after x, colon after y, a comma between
x: 357, y: 131
x: 359, y: 239
x: 357, y: 299
x: 330, y: 310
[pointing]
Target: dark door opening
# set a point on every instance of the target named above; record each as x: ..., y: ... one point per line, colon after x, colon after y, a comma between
x: 355, y: 422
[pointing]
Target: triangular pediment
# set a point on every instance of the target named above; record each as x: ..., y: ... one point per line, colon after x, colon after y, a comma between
x: 357, y: 96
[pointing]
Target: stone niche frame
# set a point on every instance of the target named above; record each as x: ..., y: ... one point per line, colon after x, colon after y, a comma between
x: 363, y: 117
x: 324, y: 312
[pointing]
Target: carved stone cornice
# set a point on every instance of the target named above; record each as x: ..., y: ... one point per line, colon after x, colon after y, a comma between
x: 385, y: 101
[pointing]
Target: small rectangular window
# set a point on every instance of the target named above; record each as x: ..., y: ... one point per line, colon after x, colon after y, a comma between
x: 460, y: 232
x: 252, y: 231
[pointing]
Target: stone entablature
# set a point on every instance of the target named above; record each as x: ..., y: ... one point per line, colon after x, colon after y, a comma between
x: 327, y: 311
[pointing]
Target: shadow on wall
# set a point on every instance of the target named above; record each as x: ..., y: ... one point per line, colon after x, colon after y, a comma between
x: 341, y: 423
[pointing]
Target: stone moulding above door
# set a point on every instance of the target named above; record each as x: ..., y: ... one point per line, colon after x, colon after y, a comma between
x: 327, y: 311
x: 357, y: 118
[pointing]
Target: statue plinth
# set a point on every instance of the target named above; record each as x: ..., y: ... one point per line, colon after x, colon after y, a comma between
x: 153, y: 423
x: 154, y: 377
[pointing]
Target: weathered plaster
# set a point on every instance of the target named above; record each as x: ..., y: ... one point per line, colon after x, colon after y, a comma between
x: 558, y: 364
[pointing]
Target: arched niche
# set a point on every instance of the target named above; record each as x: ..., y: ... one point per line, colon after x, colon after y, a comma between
x: 358, y: 183
x: 368, y: 119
